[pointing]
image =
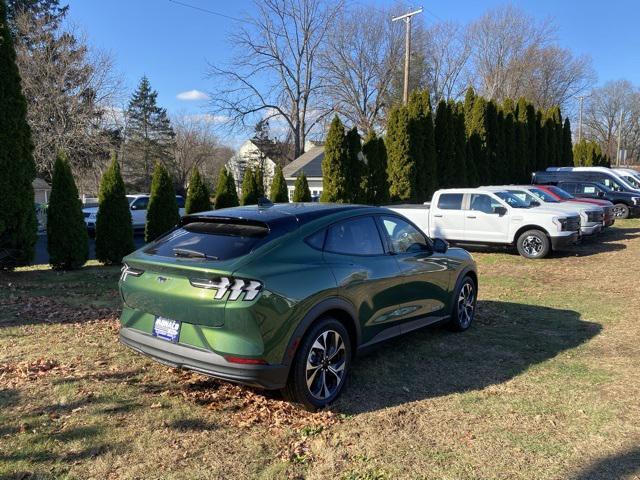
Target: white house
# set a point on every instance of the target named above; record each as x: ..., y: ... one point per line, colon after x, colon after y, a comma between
x: 310, y: 162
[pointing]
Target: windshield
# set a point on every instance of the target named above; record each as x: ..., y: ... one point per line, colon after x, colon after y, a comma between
x: 544, y: 196
x: 512, y: 200
x: 633, y: 181
x: 563, y: 194
x: 525, y: 197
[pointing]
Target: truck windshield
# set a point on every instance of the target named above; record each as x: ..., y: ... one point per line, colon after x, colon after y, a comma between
x: 561, y: 193
x: 512, y: 200
x: 544, y: 196
x: 633, y: 181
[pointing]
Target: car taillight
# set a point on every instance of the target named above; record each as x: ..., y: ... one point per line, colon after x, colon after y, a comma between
x: 236, y: 287
x: 127, y: 270
x: 245, y: 361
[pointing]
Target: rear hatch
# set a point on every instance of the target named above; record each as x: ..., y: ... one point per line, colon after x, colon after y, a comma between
x: 188, y: 274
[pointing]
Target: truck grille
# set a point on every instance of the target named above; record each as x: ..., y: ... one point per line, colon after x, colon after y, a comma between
x: 572, y: 224
x: 608, y: 212
x: 595, y: 216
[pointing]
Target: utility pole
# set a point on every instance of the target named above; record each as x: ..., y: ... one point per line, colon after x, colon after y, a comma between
x: 581, y: 97
x: 619, y: 153
x: 407, y: 50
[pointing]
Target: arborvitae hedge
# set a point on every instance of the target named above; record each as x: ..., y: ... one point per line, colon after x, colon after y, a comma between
x: 376, y: 155
x: 588, y: 153
x: 226, y: 194
x: 197, y: 194
x: 477, y: 140
x: 67, y: 239
x: 301, y: 192
x: 279, y: 190
x: 18, y: 226
x: 162, y: 211
x: 567, y: 144
x: 336, y: 177
x: 467, y: 171
x: 401, y: 169
x: 250, y: 192
x: 422, y: 142
x: 114, y: 231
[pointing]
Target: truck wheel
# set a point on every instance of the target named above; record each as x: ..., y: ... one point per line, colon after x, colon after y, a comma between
x: 320, y: 367
x: 620, y: 210
x: 464, y: 305
x: 533, y: 244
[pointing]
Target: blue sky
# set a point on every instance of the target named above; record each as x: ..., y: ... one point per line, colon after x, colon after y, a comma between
x: 171, y: 44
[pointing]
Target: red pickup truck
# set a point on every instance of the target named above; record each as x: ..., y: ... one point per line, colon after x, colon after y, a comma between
x: 564, y: 196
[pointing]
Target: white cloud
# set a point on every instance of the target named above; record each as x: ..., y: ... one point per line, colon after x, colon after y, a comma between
x: 209, y: 118
x: 192, y: 95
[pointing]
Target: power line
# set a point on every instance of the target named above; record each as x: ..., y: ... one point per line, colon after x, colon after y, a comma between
x: 194, y: 7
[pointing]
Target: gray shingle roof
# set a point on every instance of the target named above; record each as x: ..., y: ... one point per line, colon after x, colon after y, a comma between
x: 309, y: 162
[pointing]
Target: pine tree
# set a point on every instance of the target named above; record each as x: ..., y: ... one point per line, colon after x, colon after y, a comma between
x: 567, y: 144
x: 67, y: 239
x: 226, y: 193
x: 18, y: 226
x: 422, y: 143
x: 149, y: 132
x: 114, y: 232
x: 250, y: 191
x: 162, y: 211
x: 279, y: 190
x: 301, y: 192
x: 476, y: 126
x: 357, y: 168
x: 335, y: 165
x: 401, y: 170
x: 376, y: 155
x: 197, y: 194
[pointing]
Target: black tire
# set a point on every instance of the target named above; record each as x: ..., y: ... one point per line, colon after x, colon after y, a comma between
x: 533, y: 244
x: 463, y: 310
x: 314, y: 396
x: 620, y: 210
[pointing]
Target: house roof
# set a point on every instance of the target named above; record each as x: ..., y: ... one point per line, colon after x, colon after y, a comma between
x: 40, y: 184
x: 310, y: 162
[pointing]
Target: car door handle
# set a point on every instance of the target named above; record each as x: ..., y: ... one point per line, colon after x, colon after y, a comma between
x: 471, y: 216
x: 437, y: 215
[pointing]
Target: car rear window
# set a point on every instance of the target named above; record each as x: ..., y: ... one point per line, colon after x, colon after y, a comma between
x: 450, y: 201
x: 215, y: 241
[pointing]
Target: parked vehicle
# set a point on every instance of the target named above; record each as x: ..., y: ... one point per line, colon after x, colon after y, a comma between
x: 606, y: 176
x: 564, y: 196
x: 481, y: 216
x: 138, y: 205
x: 631, y: 176
x: 625, y: 204
x: 282, y: 297
x: 591, y: 216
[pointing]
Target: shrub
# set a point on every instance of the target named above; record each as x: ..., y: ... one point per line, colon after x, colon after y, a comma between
x: 226, y: 194
x: 301, y: 192
x: 197, y: 195
x: 250, y: 190
x: 279, y: 190
x: 67, y: 238
x: 162, y: 212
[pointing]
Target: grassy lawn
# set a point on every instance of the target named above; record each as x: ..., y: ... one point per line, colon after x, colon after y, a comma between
x: 545, y: 385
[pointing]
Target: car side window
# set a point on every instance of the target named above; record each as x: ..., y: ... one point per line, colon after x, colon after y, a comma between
x: 612, y: 184
x: 404, y: 237
x: 450, y: 201
x: 589, y: 189
x: 357, y: 236
x: 483, y: 203
x: 141, y: 203
x: 569, y: 187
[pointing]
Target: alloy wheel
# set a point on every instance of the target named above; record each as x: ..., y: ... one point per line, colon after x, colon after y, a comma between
x: 325, y: 368
x: 466, y: 304
x: 532, y: 245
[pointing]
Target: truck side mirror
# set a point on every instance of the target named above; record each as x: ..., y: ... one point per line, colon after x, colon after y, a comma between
x: 500, y: 210
x: 534, y: 203
x: 440, y: 245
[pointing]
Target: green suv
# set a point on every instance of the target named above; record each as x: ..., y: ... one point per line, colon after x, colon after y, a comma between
x: 283, y: 296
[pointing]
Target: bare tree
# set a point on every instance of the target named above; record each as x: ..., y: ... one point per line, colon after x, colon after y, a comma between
x: 359, y: 61
x: 602, y: 117
x: 196, y: 146
x: 274, y: 71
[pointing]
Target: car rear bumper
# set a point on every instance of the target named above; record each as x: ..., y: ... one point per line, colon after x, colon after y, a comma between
x: 564, y: 241
x: 209, y: 363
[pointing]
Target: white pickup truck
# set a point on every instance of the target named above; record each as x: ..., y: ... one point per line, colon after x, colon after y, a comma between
x: 484, y: 216
x: 138, y: 206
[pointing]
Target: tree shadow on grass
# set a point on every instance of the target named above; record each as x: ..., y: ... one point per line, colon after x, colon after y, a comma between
x: 623, y: 465
x: 506, y: 339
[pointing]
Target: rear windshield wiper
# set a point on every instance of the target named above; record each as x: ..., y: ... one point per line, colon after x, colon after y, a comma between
x: 185, y: 252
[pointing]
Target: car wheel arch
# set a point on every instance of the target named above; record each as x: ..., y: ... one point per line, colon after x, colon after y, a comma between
x: 334, y: 307
x: 523, y: 229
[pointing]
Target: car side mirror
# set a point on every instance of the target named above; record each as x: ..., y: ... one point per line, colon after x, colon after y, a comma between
x: 440, y: 245
x: 133, y: 207
x: 534, y: 203
x: 500, y: 210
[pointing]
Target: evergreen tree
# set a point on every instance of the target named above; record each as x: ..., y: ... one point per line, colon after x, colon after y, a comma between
x: 542, y: 146
x: 476, y: 126
x: 532, y: 140
x: 466, y: 173
x: 357, y: 168
x: 588, y: 153
x: 422, y: 143
x: 500, y: 166
x: 522, y: 148
x: 162, y: 211
x: 18, y: 226
x: 552, y: 147
x: 469, y: 101
x: 258, y: 175
x: 67, y: 239
x: 279, y: 190
x: 301, y: 192
x: 401, y: 169
x: 376, y: 155
x: 114, y: 232
x: 492, y: 144
x: 336, y: 179
x: 250, y: 190
x: 567, y: 144
x: 226, y: 193
x: 197, y: 194
x: 445, y: 146
x: 511, y: 172
x: 149, y: 132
